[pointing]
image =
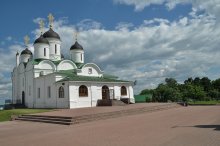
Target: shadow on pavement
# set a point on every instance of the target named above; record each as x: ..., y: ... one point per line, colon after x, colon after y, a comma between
x: 216, y: 127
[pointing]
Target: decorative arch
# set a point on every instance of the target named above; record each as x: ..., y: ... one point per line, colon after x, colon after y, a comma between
x: 66, y: 65
x: 61, y: 92
x: 47, y: 64
x: 83, y: 91
x: 123, y: 91
x: 93, y: 65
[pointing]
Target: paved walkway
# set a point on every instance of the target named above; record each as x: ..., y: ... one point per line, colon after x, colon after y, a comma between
x: 187, y: 126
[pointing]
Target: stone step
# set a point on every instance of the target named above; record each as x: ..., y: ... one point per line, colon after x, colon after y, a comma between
x: 44, y: 121
x: 94, y: 117
x: 70, y: 119
x: 47, y: 116
x: 115, y: 114
x: 110, y: 102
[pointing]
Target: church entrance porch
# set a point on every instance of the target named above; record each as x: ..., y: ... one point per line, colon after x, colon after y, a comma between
x: 105, y: 92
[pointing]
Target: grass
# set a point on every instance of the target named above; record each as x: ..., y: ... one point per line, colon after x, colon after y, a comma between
x: 212, y: 102
x: 5, y: 115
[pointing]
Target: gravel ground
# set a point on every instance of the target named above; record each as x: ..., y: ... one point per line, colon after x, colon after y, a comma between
x: 185, y: 126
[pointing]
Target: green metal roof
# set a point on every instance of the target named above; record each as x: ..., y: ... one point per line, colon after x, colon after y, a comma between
x: 71, y: 76
x: 109, y: 76
x: 79, y: 65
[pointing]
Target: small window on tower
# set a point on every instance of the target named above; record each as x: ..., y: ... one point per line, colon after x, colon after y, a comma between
x: 29, y: 90
x: 55, y: 48
x: 44, y: 51
x: 23, y: 82
x: 90, y: 71
x: 81, y: 57
x: 48, y: 92
x: 38, y: 93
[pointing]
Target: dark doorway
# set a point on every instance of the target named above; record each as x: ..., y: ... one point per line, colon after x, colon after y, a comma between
x: 105, y: 92
x: 23, y: 98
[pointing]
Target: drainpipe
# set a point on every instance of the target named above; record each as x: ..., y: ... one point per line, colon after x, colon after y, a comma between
x: 91, y: 93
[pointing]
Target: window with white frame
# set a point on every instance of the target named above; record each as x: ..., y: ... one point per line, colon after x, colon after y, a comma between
x: 55, y: 48
x: 90, y: 71
x: 61, y: 92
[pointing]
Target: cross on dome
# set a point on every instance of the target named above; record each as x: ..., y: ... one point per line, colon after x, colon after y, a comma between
x: 41, y: 23
x: 51, y: 18
x: 26, y: 40
x: 76, y: 35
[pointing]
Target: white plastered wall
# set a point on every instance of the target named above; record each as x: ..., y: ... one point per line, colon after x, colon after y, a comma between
x: 54, y: 55
x: 95, y: 93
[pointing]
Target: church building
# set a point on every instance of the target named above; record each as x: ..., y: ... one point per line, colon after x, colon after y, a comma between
x: 45, y: 79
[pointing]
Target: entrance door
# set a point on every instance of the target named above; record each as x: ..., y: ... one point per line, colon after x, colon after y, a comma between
x: 23, y: 98
x: 105, y: 92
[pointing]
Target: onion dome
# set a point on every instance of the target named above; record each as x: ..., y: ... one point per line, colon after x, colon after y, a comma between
x: 76, y: 46
x: 41, y: 39
x: 51, y: 34
x: 26, y: 51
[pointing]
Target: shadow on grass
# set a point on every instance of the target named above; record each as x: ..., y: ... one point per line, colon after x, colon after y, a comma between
x: 215, y: 127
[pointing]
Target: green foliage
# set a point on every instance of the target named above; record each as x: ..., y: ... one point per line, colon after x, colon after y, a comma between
x: 147, y: 91
x: 192, y: 89
x: 5, y: 115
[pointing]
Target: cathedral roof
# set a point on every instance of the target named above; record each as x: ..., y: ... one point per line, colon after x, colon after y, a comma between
x: 41, y: 39
x: 26, y: 51
x: 76, y: 46
x: 51, y: 34
x: 73, y: 77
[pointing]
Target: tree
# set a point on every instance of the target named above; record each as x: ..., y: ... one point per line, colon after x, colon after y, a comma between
x: 196, y: 81
x: 171, y: 82
x: 216, y: 84
x: 194, y: 92
x: 206, y: 83
x: 189, y: 81
x: 147, y: 91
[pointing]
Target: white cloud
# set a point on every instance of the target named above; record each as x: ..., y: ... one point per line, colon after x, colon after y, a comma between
x: 211, y: 7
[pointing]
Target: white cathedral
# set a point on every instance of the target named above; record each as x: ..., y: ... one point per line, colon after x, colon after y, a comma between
x: 46, y: 79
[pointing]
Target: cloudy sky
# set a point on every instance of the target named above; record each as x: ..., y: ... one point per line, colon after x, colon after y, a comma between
x: 143, y: 40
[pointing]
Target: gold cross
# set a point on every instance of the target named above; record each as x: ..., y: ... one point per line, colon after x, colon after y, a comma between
x: 76, y: 34
x: 41, y: 23
x: 26, y: 40
x: 51, y: 18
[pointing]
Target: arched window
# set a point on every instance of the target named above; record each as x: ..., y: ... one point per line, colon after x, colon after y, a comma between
x: 55, y: 48
x: 44, y: 51
x: 123, y: 90
x: 83, y: 91
x: 61, y: 92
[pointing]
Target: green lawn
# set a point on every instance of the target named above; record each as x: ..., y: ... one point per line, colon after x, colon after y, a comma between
x: 212, y: 102
x: 5, y: 115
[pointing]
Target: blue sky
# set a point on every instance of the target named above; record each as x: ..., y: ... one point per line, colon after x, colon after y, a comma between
x: 143, y: 40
